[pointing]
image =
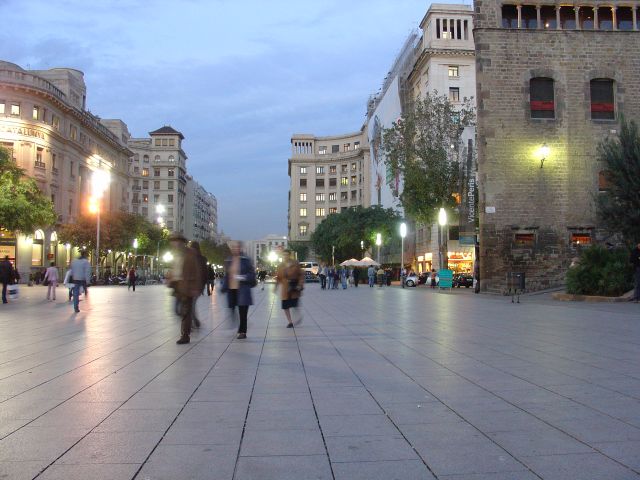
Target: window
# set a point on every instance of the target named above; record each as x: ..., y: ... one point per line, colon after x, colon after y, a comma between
x: 354, y: 180
x: 39, y: 155
x: 303, y: 230
x: 567, y: 18
x: 145, y: 158
x: 322, y: 150
x: 55, y: 122
x: 529, y: 15
x: 170, y: 211
x: 624, y: 17
x: 36, y: 112
x: 156, y: 158
x: 303, y: 197
x: 54, y: 162
x: 156, y: 185
x: 356, y: 145
x: 335, y: 148
x: 580, y: 238
x: 605, y: 18
x: 71, y: 171
x: 333, y: 182
x: 344, y: 180
x: 332, y: 197
x: 15, y: 109
x: 145, y: 172
x: 333, y: 169
x: 172, y: 142
x: 73, y: 132
x: 172, y: 159
x: 145, y: 211
x: 303, y: 212
x: 303, y: 170
x: 333, y: 210
x: 165, y: 142
x: 136, y: 198
x: 454, y: 94
x: 319, y: 212
x: 171, y: 172
x: 524, y: 240
x: 344, y: 196
x: 585, y: 17
x: 156, y: 172
x: 303, y: 182
x: 319, y: 197
x: 145, y: 198
x: 454, y: 71
x: 170, y: 185
x: 156, y: 199
x: 354, y: 166
x: 2, y: 107
x: 346, y: 147
x: 70, y: 206
x: 170, y: 198
x: 319, y: 170
x: 145, y: 184
x: 157, y: 142
x: 136, y: 170
x: 542, y: 98
x: 602, y: 105
x: 604, y: 183
x: 319, y: 182
x: 354, y: 194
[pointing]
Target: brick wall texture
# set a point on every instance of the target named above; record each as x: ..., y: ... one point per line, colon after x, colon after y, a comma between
x: 554, y: 201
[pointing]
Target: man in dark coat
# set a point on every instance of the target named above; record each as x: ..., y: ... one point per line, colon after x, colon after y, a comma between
x: 239, y: 279
x: 635, y: 261
x: 204, y: 276
x: 189, y: 284
x: 7, y: 276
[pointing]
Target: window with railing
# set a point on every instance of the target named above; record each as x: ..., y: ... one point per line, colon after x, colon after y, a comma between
x: 541, y: 98
x: 602, y: 99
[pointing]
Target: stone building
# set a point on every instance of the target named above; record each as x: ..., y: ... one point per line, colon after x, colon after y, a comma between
x: 49, y: 132
x: 258, y: 250
x: 553, y: 80
x: 158, y: 177
x: 201, y: 212
x: 328, y: 175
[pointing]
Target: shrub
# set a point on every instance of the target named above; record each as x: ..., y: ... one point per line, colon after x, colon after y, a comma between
x: 601, y: 272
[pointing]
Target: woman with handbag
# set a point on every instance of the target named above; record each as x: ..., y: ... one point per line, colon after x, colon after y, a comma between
x: 239, y: 279
x: 51, y: 280
x: 290, y: 279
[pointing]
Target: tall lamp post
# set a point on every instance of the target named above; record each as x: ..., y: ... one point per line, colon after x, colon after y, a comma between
x: 442, y: 221
x: 160, y: 219
x: 378, y: 243
x: 403, y: 233
x: 135, y: 247
x: 362, y: 248
x: 100, y: 180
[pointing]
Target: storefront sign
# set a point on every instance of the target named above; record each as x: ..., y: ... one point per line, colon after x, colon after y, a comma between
x: 467, y: 240
x: 24, y: 131
x: 7, y: 250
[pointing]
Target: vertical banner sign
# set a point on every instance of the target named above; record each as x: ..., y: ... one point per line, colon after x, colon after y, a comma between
x: 468, y: 200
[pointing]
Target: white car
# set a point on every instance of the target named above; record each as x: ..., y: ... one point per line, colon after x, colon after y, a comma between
x: 411, y: 280
x: 310, y: 267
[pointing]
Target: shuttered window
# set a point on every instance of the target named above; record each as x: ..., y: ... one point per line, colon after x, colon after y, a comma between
x: 541, y: 98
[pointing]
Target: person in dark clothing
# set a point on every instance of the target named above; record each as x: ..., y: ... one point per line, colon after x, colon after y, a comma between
x: 356, y: 276
x: 635, y: 261
x: 211, y: 279
x: 187, y: 282
x: 204, y: 275
x: 239, y: 279
x: 7, y: 276
x: 132, y: 279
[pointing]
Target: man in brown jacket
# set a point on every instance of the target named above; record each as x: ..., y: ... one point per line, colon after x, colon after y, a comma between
x: 290, y: 279
x: 189, y: 285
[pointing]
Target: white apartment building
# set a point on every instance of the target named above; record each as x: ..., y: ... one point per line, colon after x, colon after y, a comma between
x: 201, y: 212
x: 258, y: 250
x: 446, y: 64
x: 158, y: 178
x: 328, y: 175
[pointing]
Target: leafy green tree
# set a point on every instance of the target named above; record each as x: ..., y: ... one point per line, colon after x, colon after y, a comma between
x: 301, y: 249
x: 619, y: 206
x: 23, y: 207
x: 345, y: 231
x: 422, y: 147
x: 216, y: 253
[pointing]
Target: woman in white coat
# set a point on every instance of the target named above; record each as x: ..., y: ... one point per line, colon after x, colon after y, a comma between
x: 51, y: 276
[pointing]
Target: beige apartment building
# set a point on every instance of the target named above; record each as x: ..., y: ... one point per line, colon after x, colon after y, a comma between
x: 50, y: 134
x: 158, y: 178
x: 328, y: 175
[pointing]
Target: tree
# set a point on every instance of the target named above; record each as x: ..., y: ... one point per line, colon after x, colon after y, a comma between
x: 216, y: 253
x: 345, y: 231
x: 301, y: 249
x: 619, y: 206
x: 23, y: 207
x: 422, y: 147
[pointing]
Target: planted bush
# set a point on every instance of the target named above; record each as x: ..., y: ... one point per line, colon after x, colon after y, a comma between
x: 601, y: 272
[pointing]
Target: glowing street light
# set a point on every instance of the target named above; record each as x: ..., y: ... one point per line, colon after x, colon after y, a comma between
x: 442, y: 221
x: 167, y: 257
x: 100, y: 180
x: 378, y: 243
x: 403, y: 233
x: 272, y: 257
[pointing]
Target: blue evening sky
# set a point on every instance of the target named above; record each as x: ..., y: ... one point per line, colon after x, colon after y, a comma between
x: 237, y: 78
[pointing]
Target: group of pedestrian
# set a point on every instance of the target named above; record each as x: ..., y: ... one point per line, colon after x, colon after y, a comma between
x: 331, y: 278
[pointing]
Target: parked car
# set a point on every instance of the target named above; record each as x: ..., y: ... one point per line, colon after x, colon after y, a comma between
x: 412, y: 280
x: 463, y: 280
x: 310, y: 267
x: 310, y: 277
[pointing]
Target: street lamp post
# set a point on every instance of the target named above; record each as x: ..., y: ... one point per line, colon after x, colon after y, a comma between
x: 378, y: 243
x: 362, y: 248
x: 135, y: 247
x: 403, y: 233
x: 100, y: 180
x: 333, y: 255
x: 159, y: 211
x: 442, y: 221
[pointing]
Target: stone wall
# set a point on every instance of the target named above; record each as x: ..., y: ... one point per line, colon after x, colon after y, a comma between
x: 558, y: 199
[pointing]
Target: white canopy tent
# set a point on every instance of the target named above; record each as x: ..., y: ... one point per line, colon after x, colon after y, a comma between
x: 353, y: 262
x: 366, y: 262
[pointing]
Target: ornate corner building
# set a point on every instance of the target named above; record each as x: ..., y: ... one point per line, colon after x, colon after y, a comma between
x: 553, y: 81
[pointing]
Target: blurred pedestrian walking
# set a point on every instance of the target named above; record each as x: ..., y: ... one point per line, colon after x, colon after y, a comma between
x: 356, y: 276
x: 51, y: 280
x: 186, y: 281
x: 7, y: 276
x: 290, y: 279
x: 323, y: 276
x: 131, y: 276
x: 371, y: 273
x: 80, y: 277
x: 239, y: 279
x: 204, y: 275
x: 343, y: 278
x: 380, y: 275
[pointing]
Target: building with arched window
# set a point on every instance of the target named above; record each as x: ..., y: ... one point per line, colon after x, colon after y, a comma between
x: 48, y: 131
x: 553, y: 81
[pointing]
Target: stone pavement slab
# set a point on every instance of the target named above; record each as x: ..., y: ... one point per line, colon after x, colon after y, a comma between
x: 375, y: 384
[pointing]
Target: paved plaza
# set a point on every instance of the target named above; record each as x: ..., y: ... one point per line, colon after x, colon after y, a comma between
x: 380, y: 383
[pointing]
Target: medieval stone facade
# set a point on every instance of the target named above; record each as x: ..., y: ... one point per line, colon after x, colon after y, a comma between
x: 552, y: 82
